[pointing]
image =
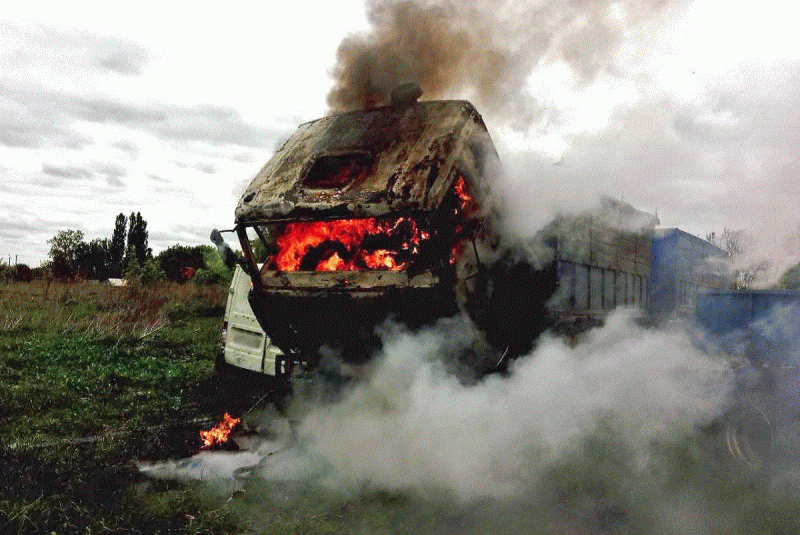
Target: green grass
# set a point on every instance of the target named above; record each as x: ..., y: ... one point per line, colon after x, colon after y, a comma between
x: 93, y: 378
x: 75, y: 384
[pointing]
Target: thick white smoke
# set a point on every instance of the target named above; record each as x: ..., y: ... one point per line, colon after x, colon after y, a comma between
x: 413, y: 426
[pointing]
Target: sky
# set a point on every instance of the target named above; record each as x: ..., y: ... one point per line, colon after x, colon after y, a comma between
x: 690, y: 110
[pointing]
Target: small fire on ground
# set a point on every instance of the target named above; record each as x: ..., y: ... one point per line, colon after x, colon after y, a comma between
x: 219, y: 434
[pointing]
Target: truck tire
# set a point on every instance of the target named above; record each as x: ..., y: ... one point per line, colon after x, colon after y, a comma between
x: 747, y: 436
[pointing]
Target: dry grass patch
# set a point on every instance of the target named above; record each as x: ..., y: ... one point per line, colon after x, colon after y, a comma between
x: 100, y: 309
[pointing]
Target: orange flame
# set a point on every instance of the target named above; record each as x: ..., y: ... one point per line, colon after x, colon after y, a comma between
x: 220, y: 433
x: 467, y: 200
x: 465, y: 209
x: 340, y: 245
x: 366, y: 244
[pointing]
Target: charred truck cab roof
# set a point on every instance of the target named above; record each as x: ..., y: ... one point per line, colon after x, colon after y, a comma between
x: 362, y: 216
x: 369, y: 163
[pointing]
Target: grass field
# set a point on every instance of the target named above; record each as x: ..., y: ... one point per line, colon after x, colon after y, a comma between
x: 94, y: 378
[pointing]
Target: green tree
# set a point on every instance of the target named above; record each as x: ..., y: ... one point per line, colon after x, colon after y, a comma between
x: 790, y: 280
x: 215, y: 270
x: 21, y: 273
x: 133, y: 271
x: 152, y: 272
x: 148, y: 272
x: 66, y: 247
x: 94, y: 259
x: 137, y: 240
x: 260, y: 250
x: 116, y: 252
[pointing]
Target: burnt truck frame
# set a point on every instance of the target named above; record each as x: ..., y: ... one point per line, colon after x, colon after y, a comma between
x: 417, y: 174
x: 387, y: 164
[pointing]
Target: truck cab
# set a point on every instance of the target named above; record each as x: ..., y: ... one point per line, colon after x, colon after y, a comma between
x: 364, y: 216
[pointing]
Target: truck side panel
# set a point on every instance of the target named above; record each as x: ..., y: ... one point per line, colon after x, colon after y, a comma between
x: 246, y: 345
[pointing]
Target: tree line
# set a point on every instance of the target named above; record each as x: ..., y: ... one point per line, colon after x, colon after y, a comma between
x: 102, y: 258
x: 127, y: 255
x: 734, y: 244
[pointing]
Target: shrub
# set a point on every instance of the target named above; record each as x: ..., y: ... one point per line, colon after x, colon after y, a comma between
x: 215, y: 272
x: 791, y: 279
x: 42, y: 272
x: 148, y: 273
x: 206, y: 276
x: 21, y: 273
x: 151, y: 272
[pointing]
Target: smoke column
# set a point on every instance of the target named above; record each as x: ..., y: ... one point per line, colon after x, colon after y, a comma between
x: 483, y: 51
x: 602, y: 98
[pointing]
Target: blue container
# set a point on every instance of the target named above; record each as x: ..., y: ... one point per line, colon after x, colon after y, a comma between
x: 724, y: 311
x: 761, y: 325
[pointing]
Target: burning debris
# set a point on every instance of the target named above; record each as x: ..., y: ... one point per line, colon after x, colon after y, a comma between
x: 263, y: 447
x: 219, y: 436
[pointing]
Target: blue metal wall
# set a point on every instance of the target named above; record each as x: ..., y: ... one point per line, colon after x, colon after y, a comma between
x: 722, y: 312
x: 682, y: 265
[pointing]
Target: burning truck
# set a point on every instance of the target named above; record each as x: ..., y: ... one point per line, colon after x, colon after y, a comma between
x: 386, y: 213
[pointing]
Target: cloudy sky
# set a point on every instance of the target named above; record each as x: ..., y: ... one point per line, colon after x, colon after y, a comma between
x: 687, y: 109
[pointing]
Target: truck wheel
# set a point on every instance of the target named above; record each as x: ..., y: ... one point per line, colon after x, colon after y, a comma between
x: 747, y: 436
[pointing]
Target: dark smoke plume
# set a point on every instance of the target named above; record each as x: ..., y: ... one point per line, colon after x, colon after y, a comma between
x: 484, y: 51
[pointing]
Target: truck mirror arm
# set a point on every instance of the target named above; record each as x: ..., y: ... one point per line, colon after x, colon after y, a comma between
x: 228, y: 256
